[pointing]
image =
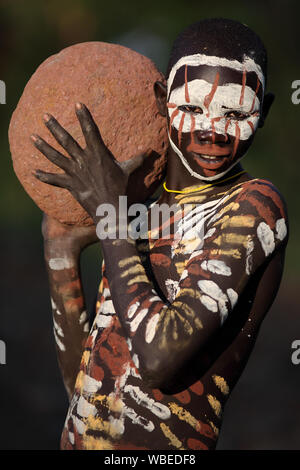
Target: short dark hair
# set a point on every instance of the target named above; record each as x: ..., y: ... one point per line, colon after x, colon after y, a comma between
x: 222, y: 38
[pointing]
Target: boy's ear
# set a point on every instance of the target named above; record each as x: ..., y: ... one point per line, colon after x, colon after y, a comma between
x: 160, y: 91
x: 267, y: 103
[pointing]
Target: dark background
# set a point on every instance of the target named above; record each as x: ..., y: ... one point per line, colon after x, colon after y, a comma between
x: 263, y: 411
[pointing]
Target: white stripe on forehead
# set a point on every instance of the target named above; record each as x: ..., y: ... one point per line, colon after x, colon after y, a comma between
x: 225, y: 95
x: 248, y: 64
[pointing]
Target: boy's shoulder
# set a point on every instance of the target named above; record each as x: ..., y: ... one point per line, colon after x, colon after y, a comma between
x: 261, y: 198
x: 264, y: 195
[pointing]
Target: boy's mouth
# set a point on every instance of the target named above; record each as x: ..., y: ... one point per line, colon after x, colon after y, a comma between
x: 209, y: 162
x: 210, y: 156
x: 210, y: 150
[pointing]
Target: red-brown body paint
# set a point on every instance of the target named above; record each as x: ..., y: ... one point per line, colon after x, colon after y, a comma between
x: 256, y: 91
x: 180, y: 128
x: 173, y: 116
x: 228, y: 121
x: 237, y: 139
x: 251, y: 126
x: 213, y: 120
x: 243, y: 87
x: 208, y: 99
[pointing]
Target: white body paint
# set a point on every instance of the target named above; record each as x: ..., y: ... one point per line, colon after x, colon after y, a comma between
x: 209, y: 303
x: 281, y: 229
x: 191, y: 227
x: 172, y: 289
x: 215, y: 299
x: 233, y: 296
x: 103, y: 321
x: 216, y: 266
x: 158, y: 409
x: 107, y: 307
x: 58, y: 264
x: 91, y: 385
x: 60, y: 345
x: 266, y: 237
x: 84, y: 408
x: 80, y: 425
x: 132, y: 309
x: 226, y: 95
x: 249, y: 254
x: 83, y: 317
x: 58, y: 329
x: 202, y: 59
x: 150, y: 328
x: 134, y: 324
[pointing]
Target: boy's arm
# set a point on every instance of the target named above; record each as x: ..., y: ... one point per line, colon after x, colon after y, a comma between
x: 62, y: 247
x: 166, y: 335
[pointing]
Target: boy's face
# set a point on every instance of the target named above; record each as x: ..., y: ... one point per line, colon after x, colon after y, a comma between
x: 214, y: 107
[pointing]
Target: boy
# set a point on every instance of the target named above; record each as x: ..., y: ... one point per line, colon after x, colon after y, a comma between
x: 177, y: 316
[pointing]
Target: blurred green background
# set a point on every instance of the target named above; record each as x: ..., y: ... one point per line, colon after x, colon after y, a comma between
x: 263, y: 411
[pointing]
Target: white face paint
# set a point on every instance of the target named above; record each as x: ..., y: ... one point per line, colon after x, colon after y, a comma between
x: 226, y: 99
x: 230, y: 112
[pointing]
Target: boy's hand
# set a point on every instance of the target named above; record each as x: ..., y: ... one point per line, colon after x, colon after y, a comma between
x: 92, y: 175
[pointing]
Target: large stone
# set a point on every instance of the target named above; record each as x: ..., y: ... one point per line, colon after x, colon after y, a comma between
x: 116, y: 84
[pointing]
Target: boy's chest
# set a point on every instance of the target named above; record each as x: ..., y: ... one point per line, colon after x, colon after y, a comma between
x: 183, y: 234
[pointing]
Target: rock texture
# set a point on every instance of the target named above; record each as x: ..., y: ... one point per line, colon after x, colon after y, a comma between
x: 116, y: 84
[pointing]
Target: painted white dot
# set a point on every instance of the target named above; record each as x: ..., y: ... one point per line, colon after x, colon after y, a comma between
x: 136, y: 322
x: 151, y: 328
x: 233, y: 297
x: 82, y: 317
x: 58, y: 264
x: 132, y: 309
x: 91, y: 385
x: 217, y: 267
x: 103, y: 321
x: 281, y: 229
x: 209, y: 303
x: 266, y: 238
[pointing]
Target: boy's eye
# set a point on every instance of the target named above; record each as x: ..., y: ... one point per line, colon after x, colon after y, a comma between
x: 191, y: 109
x: 238, y: 115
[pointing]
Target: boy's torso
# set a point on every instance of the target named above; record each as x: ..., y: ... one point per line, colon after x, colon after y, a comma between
x: 112, y: 408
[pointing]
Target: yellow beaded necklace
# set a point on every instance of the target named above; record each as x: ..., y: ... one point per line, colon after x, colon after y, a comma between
x: 202, y: 187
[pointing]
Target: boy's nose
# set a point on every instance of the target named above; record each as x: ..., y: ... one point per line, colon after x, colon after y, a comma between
x: 209, y: 136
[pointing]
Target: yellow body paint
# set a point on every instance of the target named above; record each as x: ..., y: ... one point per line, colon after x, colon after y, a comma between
x: 172, y: 438
x: 221, y: 384
x: 185, y: 415
x: 215, y: 404
x: 126, y: 261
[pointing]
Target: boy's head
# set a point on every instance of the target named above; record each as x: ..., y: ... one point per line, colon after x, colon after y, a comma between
x: 215, y: 99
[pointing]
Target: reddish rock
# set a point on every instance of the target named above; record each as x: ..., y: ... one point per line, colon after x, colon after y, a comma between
x: 116, y: 84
